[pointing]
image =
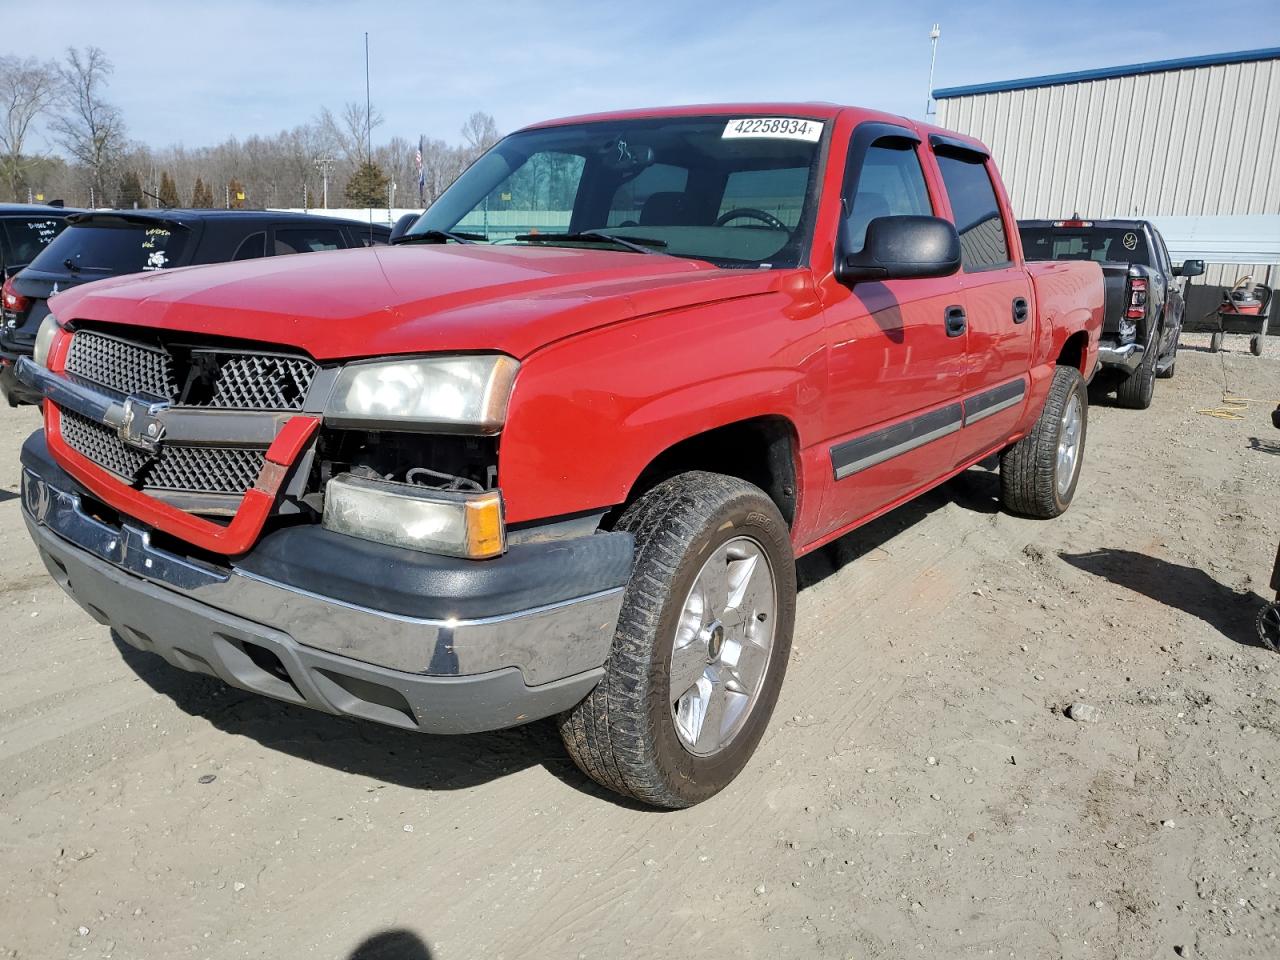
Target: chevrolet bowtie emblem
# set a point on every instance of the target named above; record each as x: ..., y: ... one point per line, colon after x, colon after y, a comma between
x: 142, y: 427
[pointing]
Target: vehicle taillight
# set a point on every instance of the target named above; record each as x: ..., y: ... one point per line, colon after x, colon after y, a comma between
x: 12, y: 299
x: 1137, y: 298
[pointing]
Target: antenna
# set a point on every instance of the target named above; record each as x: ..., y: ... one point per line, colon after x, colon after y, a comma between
x: 368, y: 125
x: 934, y: 34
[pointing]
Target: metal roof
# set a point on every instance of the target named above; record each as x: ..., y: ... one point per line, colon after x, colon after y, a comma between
x: 1251, y: 239
x: 1103, y: 73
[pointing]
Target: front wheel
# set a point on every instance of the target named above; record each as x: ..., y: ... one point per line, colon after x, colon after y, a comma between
x: 1039, y: 473
x: 1255, y: 344
x: 701, y: 646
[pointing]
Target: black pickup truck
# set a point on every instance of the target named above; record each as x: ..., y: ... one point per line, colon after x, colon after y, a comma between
x: 1144, y: 301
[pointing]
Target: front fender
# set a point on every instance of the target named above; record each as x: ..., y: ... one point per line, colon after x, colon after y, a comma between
x: 589, y: 413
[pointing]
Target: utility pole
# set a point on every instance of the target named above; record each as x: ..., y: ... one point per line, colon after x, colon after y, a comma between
x: 324, y: 165
x: 368, y: 105
x: 934, y: 34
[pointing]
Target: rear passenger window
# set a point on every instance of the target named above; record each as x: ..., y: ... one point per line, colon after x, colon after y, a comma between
x: 251, y: 247
x: 978, y: 220
x: 891, y: 184
x: 307, y: 240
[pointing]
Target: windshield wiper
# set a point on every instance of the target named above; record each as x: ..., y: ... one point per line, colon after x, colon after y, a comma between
x: 439, y: 236
x: 71, y: 265
x: 638, y: 244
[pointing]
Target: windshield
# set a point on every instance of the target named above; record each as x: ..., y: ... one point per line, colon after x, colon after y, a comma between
x: 1113, y: 244
x: 737, y: 191
x: 113, y: 247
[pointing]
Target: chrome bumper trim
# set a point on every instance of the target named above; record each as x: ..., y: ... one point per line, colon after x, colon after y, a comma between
x: 1127, y: 357
x: 546, y: 643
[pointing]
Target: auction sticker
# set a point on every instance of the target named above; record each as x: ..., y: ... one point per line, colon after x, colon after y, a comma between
x: 774, y: 128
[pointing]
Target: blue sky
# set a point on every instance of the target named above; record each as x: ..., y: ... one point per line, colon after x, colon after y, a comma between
x: 197, y: 73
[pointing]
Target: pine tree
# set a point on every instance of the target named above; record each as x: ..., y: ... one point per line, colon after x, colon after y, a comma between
x: 130, y: 193
x: 236, y: 194
x: 168, y: 191
x: 201, y: 195
x: 367, y: 186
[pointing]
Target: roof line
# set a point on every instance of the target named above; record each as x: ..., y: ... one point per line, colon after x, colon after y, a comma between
x: 1105, y: 73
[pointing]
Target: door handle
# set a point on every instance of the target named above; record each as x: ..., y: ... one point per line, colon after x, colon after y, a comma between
x: 955, y: 321
x: 1020, y: 310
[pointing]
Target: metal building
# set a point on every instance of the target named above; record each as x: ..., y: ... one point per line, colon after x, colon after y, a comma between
x: 1177, y: 141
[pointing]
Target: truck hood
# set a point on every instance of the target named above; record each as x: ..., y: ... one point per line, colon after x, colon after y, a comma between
x: 410, y: 299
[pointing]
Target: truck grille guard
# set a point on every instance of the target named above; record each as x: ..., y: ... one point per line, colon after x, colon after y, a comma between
x: 79, y: 418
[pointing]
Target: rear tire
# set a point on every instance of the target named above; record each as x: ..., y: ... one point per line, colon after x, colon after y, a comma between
x: 636, y: 734
x: 1136, y: 390
x: 1255, y: 344
x: 1215, y: 343
x: 1038, y: 474
x: 1268, y: 624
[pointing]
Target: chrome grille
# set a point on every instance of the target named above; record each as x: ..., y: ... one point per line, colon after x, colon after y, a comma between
x: 210, y: 377
x: 229, y: 470
x: 122, y: 366
x: 259, y: 381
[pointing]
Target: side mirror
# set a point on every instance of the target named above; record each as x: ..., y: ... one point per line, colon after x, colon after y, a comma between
x: 902, y: 247
x: 402, y: 226
x: 1190, y: 268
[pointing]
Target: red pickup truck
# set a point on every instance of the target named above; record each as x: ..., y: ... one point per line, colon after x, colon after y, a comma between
x: 554, y: 453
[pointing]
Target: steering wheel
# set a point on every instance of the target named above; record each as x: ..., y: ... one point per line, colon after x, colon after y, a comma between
x: 768, y: 219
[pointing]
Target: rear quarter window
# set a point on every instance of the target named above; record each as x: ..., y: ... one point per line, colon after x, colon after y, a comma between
x: 28, y: 237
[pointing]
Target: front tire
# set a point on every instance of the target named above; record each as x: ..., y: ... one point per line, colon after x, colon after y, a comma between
x: 1039, y: 473
x: 701, y: 647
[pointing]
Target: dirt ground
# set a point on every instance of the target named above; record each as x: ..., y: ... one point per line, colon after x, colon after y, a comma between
x: 920, y: 791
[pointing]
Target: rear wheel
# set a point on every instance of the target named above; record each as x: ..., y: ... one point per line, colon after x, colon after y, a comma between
x: 1215, y: 342
x: 1255, y: 344
x: 1268, y: 624
x: 1136, y: 390
x: 1039, y: 473
x: 701, y: 646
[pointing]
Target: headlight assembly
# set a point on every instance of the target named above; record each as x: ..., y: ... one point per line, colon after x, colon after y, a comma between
x: 454, y: 394
x: 405, y: 515
x: 44, y: 340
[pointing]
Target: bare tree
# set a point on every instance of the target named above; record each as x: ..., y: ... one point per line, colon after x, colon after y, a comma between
x: 480, y: 132
x: 90, y: 128
x: 350, y: 132
x: 27, y: 87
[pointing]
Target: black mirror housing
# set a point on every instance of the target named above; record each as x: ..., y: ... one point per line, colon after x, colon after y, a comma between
x: 402, y: 226
x: 902, y: 247
x: 1191, y: 268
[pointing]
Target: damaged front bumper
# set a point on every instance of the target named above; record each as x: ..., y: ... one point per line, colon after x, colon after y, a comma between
x: 435, y: 644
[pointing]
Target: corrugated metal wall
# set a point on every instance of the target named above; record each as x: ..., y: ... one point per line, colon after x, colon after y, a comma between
x: 1204, y: 140
x: 1198, y: 141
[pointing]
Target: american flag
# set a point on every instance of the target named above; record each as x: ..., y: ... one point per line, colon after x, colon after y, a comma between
x: 417, y: 162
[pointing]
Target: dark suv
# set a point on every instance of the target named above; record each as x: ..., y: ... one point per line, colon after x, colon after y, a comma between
x: 109, y: 243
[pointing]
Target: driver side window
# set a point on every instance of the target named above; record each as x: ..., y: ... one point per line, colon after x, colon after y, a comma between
x: 891, y: 184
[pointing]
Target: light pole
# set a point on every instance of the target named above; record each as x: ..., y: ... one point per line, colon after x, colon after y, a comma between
x: 934, y: 34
